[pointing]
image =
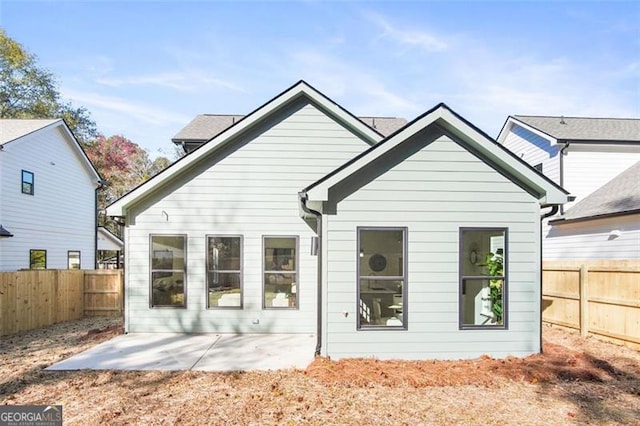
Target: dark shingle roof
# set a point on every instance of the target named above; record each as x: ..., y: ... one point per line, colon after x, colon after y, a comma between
x: 620, y: 195
x: 206, y: 126
x: 585, y: 129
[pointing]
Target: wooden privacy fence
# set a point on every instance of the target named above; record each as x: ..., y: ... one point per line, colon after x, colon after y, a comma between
x: 32, y: 299
x: 598, y: 297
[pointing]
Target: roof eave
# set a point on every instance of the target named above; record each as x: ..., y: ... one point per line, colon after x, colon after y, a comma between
x: 298, y: 90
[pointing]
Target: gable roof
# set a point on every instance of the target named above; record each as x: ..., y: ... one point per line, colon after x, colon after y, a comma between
x: 207, y: 126
x: 579, y: 129
x: 621, y: 195
x: 299, y: 90
x: 12, y: 130
x: 107, y: 240
x: 444, y: 121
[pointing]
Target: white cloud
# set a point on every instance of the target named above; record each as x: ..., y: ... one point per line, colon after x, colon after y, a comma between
x: 407, y: 36
x: 145, y: 113
x: 356, y: 87
x: 189, y: 81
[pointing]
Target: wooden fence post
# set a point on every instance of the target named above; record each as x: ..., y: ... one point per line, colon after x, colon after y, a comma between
x: 584, y: 300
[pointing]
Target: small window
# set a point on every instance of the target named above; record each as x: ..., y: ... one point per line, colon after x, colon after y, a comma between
x: 37, y: 259
x: 382, y: 278
x: 538, y: 167
x: 280, y: 267
x: 73, y: 259
x: 168, y: 270
x: 483, y: 278
x: 224, y: 272
x: 27, y: 182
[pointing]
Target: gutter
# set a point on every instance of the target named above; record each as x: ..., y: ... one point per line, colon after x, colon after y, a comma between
x: 101, y: 184
x: 303, y: 203
x: 562, y: 154
x: 553, y: 211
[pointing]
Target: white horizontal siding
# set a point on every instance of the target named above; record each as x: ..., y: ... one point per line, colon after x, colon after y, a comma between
x: 590, y: 167
x: 60, y: 216
x: 592, y: 240
x: 251, y: 192
x: 423, y: 202
x: 535, y: 149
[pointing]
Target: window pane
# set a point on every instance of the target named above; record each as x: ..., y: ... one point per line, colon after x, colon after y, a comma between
x: 381, y: 253
x: 73, y: 260
x: 482, y: 252
x: 280, y: 254
x: 381, y: 303
x: 27, y: 182
x: 224, y: 253
x: 224, y: 289
x: 483, y: 255
x: 280, y: 290
x: 37, y: 259
x: 482, y: 302
x: 168, y: 288
x: 167, y: 252
x: 168, y: 270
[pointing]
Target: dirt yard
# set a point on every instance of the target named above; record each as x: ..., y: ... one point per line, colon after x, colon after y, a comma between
x: 575, y: 381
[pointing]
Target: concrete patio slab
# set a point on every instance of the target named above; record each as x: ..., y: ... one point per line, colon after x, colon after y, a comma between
x: 203, y: 352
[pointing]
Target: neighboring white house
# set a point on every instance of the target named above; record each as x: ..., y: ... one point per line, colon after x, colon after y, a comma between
x: 604, y: 225
x: 581, y: 155
x: 385, y: 255
x: 47, y: 197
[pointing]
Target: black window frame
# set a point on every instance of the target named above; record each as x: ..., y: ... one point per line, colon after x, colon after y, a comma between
x: 184, y: 271
x: 31, y: 184
x: 296, y: 272
x: 504, y: 277
x: 45, y: 259
x: 404, y: 278
x: 209, y: 237
x: 79, y: 258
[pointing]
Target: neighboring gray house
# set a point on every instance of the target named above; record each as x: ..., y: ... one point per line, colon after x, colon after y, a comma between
x: 580, y: 154
x: 300, y: 218
x: 47, y: 197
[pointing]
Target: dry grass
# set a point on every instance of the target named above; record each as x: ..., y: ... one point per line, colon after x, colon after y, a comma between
x: 591, y: 383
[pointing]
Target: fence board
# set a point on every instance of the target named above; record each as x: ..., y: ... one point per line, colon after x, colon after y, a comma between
x: 33, y: 299
x: 610, y: 301
x: 103, y: 290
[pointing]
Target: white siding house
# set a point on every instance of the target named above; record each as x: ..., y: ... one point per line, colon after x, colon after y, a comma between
x: 47, y: 197
x: 371, y: 258
x: 581, y: 155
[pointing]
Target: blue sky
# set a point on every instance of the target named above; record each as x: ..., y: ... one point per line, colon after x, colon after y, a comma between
x: 145, y: 68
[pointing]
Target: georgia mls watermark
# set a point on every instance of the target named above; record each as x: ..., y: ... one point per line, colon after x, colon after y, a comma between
x: 30, y: 415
